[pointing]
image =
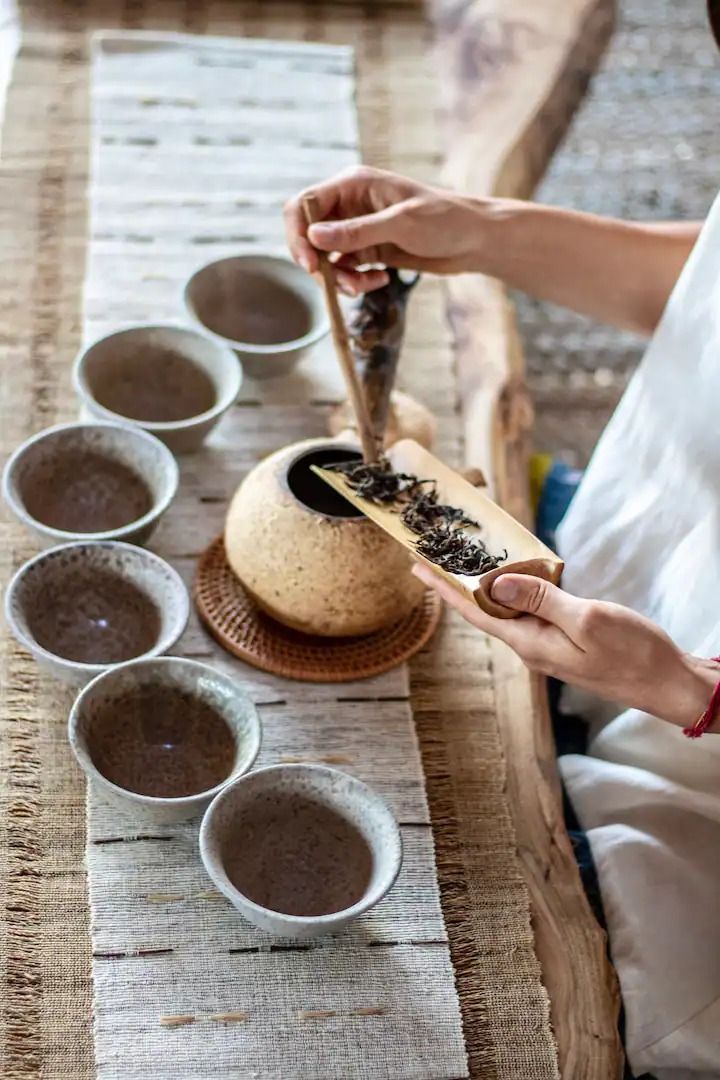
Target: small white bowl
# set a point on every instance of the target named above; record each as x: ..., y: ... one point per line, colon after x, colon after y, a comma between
x: 171, y: 381
x: 90, y: 482
x: 265, y: 308
x: 300, y: 850
x: 164, y: 725
x: 83, y: 608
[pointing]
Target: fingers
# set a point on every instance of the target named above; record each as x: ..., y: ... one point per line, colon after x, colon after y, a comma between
x: 386, y: 255
x: 463, y: 604
x: 519, y: 634
x: 301, y: 249
x: 540, y: 598
x: 366, y: 233
x: 360, y: 208
x: 355, y: 282
x: 328, y: 197
x: 357, y: 259
x: 344, y: 195
x: 542, y: 646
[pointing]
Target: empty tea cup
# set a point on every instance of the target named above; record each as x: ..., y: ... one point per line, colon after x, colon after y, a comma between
x: 85, y: 607
x: 266, y: 308
x: 300, y: 850
x: 91, y: 481
x: 161, y: 737
x: 173, y: 382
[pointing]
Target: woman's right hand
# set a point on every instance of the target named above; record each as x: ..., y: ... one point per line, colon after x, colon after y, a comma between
x: 372, y: 217
x: 617, y: 272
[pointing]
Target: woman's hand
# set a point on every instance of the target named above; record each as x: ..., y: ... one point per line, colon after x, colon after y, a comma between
x: 603, y: 648
x: 615, y: 271
x: 377, y: 217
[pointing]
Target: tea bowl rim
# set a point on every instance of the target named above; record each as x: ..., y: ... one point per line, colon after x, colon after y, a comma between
x: 215, y: 868
x: 201, y: 798
x: 305, y: 341
x: 170, y: 468
x: 86, y: 395
x: 165, y: 641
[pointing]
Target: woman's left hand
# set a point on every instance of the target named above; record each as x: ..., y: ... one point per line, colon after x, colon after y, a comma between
x: 606, y: 649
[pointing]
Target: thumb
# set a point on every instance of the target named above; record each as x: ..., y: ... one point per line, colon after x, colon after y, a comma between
x: 354, y: 234
x: 536, y: 597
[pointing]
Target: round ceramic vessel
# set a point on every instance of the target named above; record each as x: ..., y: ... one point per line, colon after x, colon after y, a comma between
x: 306, y: 835
x: 76, y: 602
x: 312, y: 569
x: 136, y: 376
x: 85, y: 475
x: 166, y: 675
x: 265, y: 308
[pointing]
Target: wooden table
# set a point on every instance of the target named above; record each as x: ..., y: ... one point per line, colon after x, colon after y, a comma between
x: 512, y: 73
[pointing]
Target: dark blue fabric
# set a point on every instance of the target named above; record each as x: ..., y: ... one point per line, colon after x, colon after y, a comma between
x: 571, y: 738
x: 560, y: 485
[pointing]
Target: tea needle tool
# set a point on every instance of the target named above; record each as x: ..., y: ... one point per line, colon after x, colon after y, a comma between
x: 342, y: 343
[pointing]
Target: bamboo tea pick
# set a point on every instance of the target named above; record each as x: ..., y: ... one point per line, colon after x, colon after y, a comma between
x: 342, y: 344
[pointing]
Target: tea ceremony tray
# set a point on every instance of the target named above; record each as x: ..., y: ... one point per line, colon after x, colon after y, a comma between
x: 141, y: 139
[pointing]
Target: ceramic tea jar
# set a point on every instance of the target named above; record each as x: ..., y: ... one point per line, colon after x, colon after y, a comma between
x: 305, y: 554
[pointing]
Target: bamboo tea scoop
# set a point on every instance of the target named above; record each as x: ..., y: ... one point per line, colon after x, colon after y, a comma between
x: 342, y: 344
x: 499, y: 531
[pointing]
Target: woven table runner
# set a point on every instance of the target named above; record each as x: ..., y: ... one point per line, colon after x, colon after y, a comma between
x: 197, y: 142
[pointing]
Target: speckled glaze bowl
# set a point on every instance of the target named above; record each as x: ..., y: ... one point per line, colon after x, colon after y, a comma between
x: 85, y: 607
x: 300, y: 850
x: 307, y: 557
x: 173, y: 382
x: 265, y: 308
x: 162, y: 737
x: 91, y: 482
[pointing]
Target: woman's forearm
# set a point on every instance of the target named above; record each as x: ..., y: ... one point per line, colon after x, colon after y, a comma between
x: 618, y: 272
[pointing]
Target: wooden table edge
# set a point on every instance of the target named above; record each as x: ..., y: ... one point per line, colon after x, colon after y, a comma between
x: 513, y: 75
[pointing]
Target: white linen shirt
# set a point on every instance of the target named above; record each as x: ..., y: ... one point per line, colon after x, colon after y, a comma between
x: 644, y: 530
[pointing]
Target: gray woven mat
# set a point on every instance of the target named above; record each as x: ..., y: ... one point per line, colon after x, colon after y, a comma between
x: 645, y: 144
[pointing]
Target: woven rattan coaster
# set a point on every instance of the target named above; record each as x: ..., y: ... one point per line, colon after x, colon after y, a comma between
x: 236, y: 621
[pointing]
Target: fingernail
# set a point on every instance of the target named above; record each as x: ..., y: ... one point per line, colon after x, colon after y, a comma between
x: 305, y: 262
x: 504, y: 590
x: 420, y: 571
x: 320, y: 232
x: 349, y: 290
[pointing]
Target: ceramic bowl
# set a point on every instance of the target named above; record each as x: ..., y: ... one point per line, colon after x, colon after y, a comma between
x: 300, y: 850
x: 162, y: 737
x: 173, y: 382
x: 265, y: 308
x: 92, y: 482
x: 85, y: 607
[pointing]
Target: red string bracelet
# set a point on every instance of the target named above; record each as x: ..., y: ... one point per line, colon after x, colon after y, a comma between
x: 703, y: 722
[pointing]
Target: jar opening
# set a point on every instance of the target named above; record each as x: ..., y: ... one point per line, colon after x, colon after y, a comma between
x: 313, y: 492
